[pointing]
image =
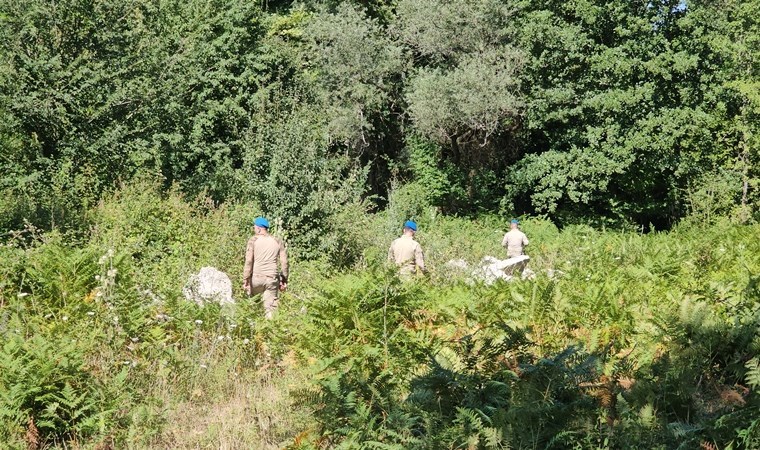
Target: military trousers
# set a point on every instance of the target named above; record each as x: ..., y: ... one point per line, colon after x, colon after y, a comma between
x: 269, y: 288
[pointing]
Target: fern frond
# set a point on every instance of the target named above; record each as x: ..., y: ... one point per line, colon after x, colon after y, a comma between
x: 753, y: 372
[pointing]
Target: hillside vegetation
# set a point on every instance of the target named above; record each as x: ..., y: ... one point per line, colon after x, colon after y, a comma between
x: 138, y: 139
x: 636, y: 341
x: 620, y: 114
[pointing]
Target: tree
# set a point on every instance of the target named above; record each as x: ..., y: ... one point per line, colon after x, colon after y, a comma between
x: 622, y: 113
x: 734, y: 38
x: 99, y: 91
x: 358, y: 70
x: 464, y: 91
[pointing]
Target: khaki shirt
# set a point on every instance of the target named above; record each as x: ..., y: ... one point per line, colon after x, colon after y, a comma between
x: 407, y: 254
x: 261, y: 255
x: 514, y: 241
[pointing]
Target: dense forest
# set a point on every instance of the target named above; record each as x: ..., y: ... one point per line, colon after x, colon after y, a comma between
x: 139, y: 138
x: 625, y: 114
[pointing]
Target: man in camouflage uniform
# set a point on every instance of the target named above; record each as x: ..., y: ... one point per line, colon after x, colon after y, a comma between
x: 514, y: 241
x: 406, y: 253
x: 260, y: 270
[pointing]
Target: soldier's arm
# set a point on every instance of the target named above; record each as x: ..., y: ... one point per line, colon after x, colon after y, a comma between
x: 248, y: 266
x: 525, y: 240
x: 505, y: 241
x: 419, y: 258
x: 390, y: 254
x: 284, y: 262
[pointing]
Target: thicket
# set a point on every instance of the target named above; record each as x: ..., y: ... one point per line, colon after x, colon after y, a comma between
x: 623, y: 340
x: 99, y: 348
x: 138, y: 139
x: 634, y: 114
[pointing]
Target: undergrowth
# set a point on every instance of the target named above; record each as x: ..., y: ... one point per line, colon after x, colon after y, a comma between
x: 621, y: 340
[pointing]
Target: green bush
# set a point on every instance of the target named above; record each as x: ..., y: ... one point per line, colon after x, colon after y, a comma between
x: 48, y: 390
x: 98, y: 345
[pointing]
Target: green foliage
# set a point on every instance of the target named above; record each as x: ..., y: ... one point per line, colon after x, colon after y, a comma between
x: 317, y: 198
x: 357, y: 66
x: 99, y: 92
x: 98, y: 344
x: 715, y: 195
x: 58, y: 273
x: 358, y: 326
x: 587, y: 111
x: 46, y: 386
x: 463, y: 92
x: 615, y: 109
x: 168, y: 235
x: 471, y: 102
x: 138, y: 139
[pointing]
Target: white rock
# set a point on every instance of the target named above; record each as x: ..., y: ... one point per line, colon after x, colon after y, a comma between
x: 528, y: 274
x: 209, y: 285
x: 457, y: 264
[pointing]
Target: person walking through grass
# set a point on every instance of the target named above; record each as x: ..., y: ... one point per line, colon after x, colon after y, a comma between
x: 514, y: 242
x: 260, y: 274
x: 406, y: 252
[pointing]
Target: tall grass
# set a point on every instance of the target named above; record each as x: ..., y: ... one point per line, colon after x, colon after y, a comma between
x: 623, y: 340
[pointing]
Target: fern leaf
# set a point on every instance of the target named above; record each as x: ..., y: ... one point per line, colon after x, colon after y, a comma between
x: 753, y: 372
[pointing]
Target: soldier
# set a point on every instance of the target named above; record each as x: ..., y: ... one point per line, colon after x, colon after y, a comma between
x: 406, y: 253
x: 260, y: 270
x: 514, y: 241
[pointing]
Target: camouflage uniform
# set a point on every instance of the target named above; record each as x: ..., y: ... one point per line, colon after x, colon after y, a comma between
x: 514, y: 241
x: 261, y: 255
x: 406, y: 253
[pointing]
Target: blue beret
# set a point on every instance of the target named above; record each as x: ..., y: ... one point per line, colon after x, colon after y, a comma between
x: 515, y: 221
x: 261, y: 222
x: 411, y: 225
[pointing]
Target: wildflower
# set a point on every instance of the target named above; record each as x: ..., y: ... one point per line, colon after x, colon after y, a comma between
x: 246, y: 341
x: 112, y: 273
x: 65, y: 318
x: 99, y: 294
x: 220, y: 338
x: 22, y: 294
x: 90, y: 313
x: 135, y: 339
x: 203, y: 366
x: 110, y: 253
x: 97, y: 277
x: 198, y: 322
x: 102, y: 260
x: 115, y: 320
